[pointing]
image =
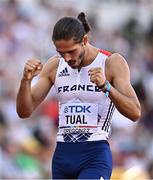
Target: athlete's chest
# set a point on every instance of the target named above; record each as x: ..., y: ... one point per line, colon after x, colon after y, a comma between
x: 74, y: 85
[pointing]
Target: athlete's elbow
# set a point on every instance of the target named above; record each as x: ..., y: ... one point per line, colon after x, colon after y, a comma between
x: 136, y: 115
x: 24, y: 111
x: 23, y: 115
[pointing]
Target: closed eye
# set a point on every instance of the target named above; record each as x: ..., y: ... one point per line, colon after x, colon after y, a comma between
x: 69, y: 52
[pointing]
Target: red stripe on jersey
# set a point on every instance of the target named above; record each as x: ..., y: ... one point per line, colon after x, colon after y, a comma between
x: 107, y: 53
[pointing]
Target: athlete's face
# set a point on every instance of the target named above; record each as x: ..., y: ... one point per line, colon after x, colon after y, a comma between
x: 72, y: 52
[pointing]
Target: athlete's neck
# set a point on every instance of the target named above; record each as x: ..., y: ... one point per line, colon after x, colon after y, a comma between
x: 90, y: 54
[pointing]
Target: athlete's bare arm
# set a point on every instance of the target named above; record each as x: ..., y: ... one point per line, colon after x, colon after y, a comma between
x: 28, y: 98
x: 121, y: 93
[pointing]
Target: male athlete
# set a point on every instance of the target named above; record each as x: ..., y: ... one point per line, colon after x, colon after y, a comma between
x: 90, y: 83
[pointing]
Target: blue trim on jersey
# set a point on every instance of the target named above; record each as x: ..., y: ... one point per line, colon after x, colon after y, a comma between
x: 107, y: 123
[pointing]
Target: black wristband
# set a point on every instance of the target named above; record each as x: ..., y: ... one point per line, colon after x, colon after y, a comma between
x: 104, y: 86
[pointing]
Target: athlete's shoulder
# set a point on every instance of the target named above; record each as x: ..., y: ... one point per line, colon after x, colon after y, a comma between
x: 51, y: 64
x: 50, y: 67
x: 53, y: 61
x: 115, y: 59
x: 115, y: 64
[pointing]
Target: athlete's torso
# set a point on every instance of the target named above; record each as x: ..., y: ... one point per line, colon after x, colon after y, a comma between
x: 84, y: 111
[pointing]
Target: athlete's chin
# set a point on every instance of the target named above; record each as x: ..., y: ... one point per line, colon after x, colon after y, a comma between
x: 73, y: 66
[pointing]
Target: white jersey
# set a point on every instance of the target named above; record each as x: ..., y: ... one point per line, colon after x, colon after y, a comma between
x: 84, y: 111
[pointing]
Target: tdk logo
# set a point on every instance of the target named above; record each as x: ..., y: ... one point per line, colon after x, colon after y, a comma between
x: 64, y: 72
x: 77, y: 109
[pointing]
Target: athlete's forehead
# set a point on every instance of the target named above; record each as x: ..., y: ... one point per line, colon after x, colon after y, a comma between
x: 66, y: 45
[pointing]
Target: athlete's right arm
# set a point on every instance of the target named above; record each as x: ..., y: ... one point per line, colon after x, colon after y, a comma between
x: 28, y: 98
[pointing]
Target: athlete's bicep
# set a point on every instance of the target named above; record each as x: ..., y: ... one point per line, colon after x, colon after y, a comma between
x: 119, y: 69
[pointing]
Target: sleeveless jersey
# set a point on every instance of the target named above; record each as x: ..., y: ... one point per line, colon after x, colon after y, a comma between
x: 84, y: 111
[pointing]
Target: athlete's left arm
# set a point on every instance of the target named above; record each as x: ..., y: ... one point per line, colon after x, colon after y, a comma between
x: 122, y: 93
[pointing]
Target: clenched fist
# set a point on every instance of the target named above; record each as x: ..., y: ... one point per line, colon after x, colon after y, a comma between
x: 32, y: 68
x: 97, y: 76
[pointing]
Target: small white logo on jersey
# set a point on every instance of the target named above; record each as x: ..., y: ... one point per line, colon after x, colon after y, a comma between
x: 64, y: 72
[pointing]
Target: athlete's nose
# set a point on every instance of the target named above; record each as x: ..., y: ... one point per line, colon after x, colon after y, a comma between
x: 67, y: 57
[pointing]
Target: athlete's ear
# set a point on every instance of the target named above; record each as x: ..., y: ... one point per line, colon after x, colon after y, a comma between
x: 84, y: 40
